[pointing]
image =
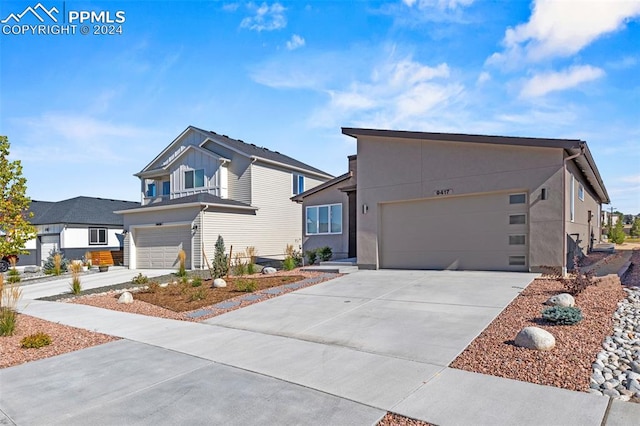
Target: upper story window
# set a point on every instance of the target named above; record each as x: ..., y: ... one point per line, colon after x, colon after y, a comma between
x: 517, y: 198
x: 97, y: 236
x: 194, y: 178
x: 580, y: 192
x: 298, y: 184
x: 166, y: 188
x: 151, y: 190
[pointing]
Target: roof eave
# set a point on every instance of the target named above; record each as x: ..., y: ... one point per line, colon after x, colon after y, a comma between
x: 287, y: 166
x: 184, y: 205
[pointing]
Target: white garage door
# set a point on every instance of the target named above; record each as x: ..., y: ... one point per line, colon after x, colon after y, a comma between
x: 157, y: 248
x: 478, y: 232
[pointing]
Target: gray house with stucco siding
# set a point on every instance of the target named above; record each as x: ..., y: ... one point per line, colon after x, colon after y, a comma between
x: 458, y: 201
x: 329, y: 214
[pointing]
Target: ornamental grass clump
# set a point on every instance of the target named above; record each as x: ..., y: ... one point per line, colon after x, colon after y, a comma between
x: 9, y: 296
x: 252, y: 254
x: 37, y: 340
x: 76, y: 285
x: 562, y: 315
x: 246, y: 285
x: 182, y: 269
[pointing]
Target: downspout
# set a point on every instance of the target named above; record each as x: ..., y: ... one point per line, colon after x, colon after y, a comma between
x: 564, y: 208
x: 201, y: 228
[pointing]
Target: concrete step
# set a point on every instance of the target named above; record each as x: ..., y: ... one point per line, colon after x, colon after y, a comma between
x: 345, y: 262
x: 332, y: 269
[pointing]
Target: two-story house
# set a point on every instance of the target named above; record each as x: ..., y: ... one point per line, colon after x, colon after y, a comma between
x: 203, y: 185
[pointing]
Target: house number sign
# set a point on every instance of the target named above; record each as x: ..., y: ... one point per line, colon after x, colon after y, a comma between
x: 447, y: 191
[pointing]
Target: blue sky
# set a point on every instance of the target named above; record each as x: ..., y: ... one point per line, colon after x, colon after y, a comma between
x: 85, y: 112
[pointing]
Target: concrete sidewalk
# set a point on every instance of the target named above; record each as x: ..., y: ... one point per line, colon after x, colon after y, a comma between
x: 285, y: 369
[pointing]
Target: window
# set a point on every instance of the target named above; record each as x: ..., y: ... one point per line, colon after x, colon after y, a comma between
x: 572, y: 200
x: 516, y: 240
x: 97, y: 236
x: 166, y: 187
x: 517, y: 261
x: 151, y: 190
x: 194, y: 179
x: 324, y: 219
x: 517, y: 219
x: 517, y: 198
x: 298, y: 184
x: 580, y: 192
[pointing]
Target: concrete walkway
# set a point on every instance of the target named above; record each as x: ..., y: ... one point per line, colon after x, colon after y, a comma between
x: 342, y: 352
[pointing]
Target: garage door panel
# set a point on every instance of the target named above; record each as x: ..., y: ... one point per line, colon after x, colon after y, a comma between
x: 470, y: 232
x: 159, y: 247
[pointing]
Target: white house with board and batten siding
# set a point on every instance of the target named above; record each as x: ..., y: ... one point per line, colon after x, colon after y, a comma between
x: 203, y: 185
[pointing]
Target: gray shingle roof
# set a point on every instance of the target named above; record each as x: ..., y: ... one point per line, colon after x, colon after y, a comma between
x: 203, y: 197
x: 80, y: 210
x: 261, y: 152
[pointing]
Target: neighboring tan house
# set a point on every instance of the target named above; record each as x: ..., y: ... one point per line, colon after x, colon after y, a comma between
x: 330, y: 213
x: 203, y: 185
x: 75, y: 226
x: 456, y: 201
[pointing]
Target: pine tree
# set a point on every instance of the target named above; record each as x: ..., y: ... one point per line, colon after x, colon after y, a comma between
x: 14, y: 205
x: 616, y: 235
x: 220, y: 259
x: 635, y: 228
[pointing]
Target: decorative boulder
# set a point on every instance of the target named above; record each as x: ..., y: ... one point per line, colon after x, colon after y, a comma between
x: 535, y: 338
x: 219, y: 282
x: 562, y: 299
x: 126, y: 298
x: 269, y: 270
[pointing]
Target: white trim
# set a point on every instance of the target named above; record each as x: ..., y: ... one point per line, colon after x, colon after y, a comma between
x: 287, y: 166
x: 572, y: 200
x: 329, y: 218
x: 181, y: 206
x: 580, y: 192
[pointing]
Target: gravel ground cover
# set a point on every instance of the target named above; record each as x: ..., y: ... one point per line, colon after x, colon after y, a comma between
x: 568, y: 365
x: 392, y: 419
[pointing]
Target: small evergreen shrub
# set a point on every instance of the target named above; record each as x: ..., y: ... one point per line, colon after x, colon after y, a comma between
x: 312, y: 255
x: 199, y: 294
x: 196, y: 282
x: 220, y: 259
x: 13, y: 276
x: 140, y: 279
x: 289, y: 263
x: 239, y: 266
x: 36, y: 340
x: 562, y: 315
x: 325, y: 253
x: 246, y: 285
x: 55, y: 264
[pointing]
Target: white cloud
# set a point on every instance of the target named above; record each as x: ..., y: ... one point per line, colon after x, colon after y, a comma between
x: 562, y: 28
x: 631, y: 179
x: 483, y: 78
x: 399, y: 93
x: 541, y: 84
x: 230, y: 7
x: 440, y: 4
x: 295, y: 42
x: 76, y: 138
x: 266, y: 18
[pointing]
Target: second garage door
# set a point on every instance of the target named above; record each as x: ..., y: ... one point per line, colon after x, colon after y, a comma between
x: 477, y: 232
x: 158, y: 247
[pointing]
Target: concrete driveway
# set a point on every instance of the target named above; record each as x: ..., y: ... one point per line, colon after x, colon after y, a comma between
x: 342, y: 352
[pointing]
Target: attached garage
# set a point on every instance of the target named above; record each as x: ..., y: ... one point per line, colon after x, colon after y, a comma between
x: 158, y: 247
x: 476, y: 232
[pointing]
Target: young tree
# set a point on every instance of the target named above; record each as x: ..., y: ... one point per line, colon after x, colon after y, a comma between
x: 616, y: 235
x: 220, y: 259
x: 15, y: 229
x: 635, y: 228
